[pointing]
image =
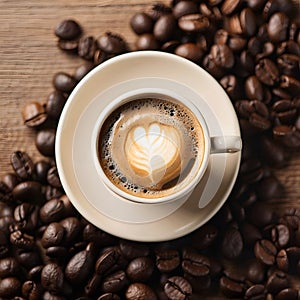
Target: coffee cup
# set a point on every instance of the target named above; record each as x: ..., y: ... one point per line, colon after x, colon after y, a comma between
x: 152, y: 145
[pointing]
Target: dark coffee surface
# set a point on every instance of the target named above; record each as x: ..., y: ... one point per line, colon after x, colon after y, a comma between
x: 268, y: 252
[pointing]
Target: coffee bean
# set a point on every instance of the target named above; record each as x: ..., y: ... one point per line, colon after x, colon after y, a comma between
x: 140, y: 291
x: 34, y: 114
x: 147, y: 41
x: 52, y: 278
x: 64, y: 82
x: 222, y: 56
x: 9, y: 267
x: 28, y: 191
x: 265, y: 251
x: 31, y: 290
x: 45, y: 141
x: 157, y: 10
x: 55, y: 103
x: 49, y: 296
x: 26, y: 216
x: 280, y: 235
x: 164, y: 28
x: 289, y: 64
x: 68, y: 46
x: 10, y: 287
x: 109, y: 296
x: 205, y: 236
x: 278, y: 26
x: 112, y: 43
x: 87, y: 47
x: 52, y: 192
x: 211, y: 67
x: 260, y: 214
x: 22, y: 240
x: 189, y: 51
x: 72, y: 228
x: 167, y: 259
x: 68, y: 30
x: 290, y: 83
x: 114, y: 282
x: 22, y: 164
x: 183, y: 8
x: 53, y: 235
x: 288, y: 294
x: 79, y: 267
x: 256, y: 272
x: 256, y: 292
x: 140, y: 269
x: 177, y: 288
x: 270, y: 188
x: 230, y: 6
x: 250, y: 234
x: 277, y: 282
x: 141, y: 23
x: 52, y: 211
x: 248, y: 22
x: 53, y: 177
x: 82, y: 70
x: 253, y: 88
x: 232, y: 244
x: 193, y: 23
x: 132, y: 250
x: 195, y: 264
x: 231, y: 288
x: 267, y: 72
x: 282, y: 260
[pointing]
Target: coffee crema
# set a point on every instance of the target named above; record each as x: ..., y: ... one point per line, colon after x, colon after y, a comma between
x: 147, y: 147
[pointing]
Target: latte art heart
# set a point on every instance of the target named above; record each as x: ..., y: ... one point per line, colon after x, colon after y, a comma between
x: 154, y: 151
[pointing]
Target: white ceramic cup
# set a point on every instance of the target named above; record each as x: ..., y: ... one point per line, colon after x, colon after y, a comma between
x: 212, y: 146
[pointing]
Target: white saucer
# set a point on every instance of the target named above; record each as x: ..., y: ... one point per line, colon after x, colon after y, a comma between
x: 130, y: 220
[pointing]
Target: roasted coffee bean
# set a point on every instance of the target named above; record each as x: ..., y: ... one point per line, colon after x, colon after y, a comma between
x: 260, y: 214
x: 52, y: 211
x: 22, y: 164
x: 49, y: 296
x: 52, y: 192
x: 41, y: 169
x: 141, y: 23
x: 195, y: 264
x: 256, y: 292
x: 189, y: 51
x: 147, y: 41
x: 231, y: 86
x: 112, y: 43
x: 34, y: 114
x: 68, y: 46
x: 31, y: 290
x: 55, y: 103
x: 248, y: 21
x: 132, y: 250
x: 28, y: 258
x: 232, y: 244
x: 93, y: 234
x: 68, y: 30
x: 280, y: 235
x: 45, y: 141
x: 87, y: 47
x: 140, y: 269
x: 231, y: 288
x: 140, y: 291
x: 164, y: 28
x: 22, y: 240
x: 10, y: 180
x: 114, y: 282
x: 282, y: 261
x: 222, y: 56
x: 64, y: 82
x: 167, y: 260
x: 109, y: 296
x: 290, y: 83
x: 79, y: 267
x: 289, y: 136
x: 250, y: 233
x: 256, y: 272
x: 193, y: 23
x: 265, y: 251
x: 277, y: 282
x: 28, y: 191
x: 256, y: 4
x: 9, y: 267
x: 26, y: 216
x: 59, y: 253
x: 109, y: 261
x: 288, y: 294
x: 52, y: 278
x: 53, y: 235
x: 237, y: 43
x: 82, y: 70
x: 278, y: 27
x: 184, y: 8
x: 270, y: 188
x: 211, y: 67
x: 205, y: 236
x: 267, y: 72
x: 10, y: 287
x: 177, y: 288
x: 53, y: 177
x: 92, y: 287
x: 289, y: 64
x: 254, y: 89
x: 230, y: 6
x: 72, y: 228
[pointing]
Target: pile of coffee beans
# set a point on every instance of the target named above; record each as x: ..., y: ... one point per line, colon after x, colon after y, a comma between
x: 248, y: 250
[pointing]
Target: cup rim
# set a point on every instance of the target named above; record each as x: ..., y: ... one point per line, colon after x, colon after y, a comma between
x: 142, y: 93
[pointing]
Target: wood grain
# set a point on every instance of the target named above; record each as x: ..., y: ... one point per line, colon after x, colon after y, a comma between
x: 29, y: 58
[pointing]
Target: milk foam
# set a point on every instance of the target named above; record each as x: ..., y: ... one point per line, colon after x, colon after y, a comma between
x: 148, y: 146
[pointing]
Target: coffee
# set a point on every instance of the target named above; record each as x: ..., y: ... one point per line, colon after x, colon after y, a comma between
x: 148, y: 147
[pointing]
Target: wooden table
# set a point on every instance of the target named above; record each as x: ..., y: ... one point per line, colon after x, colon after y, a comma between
x: 29, y: 58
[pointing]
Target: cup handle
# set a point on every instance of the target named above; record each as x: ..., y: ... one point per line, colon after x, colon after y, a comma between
x: 225, y: 144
